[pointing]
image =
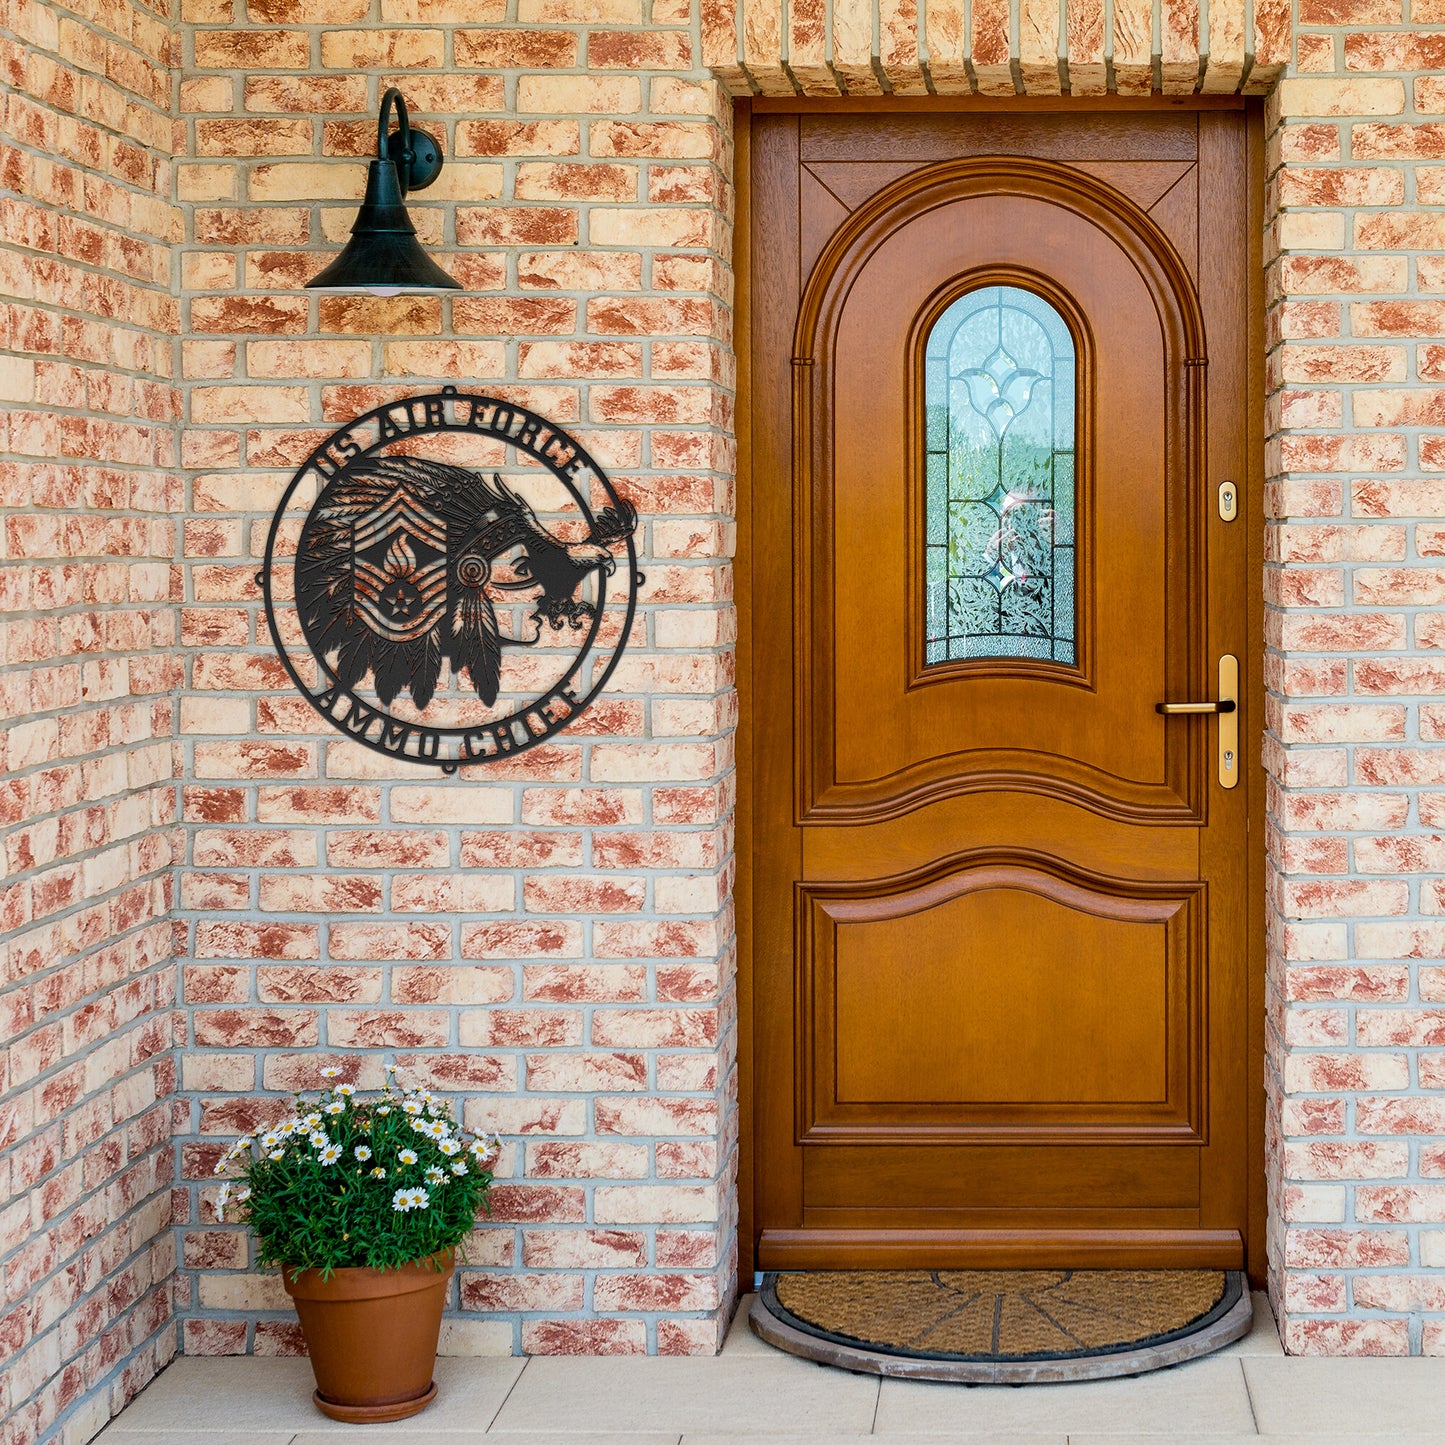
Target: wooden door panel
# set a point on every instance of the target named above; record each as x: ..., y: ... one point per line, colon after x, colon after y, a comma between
x: 1026, y: 1002
x: 988, y: 819
x: 882, y: 734
x: 821, y: 211
x: 1133, y: 136
x: 1013, y: 1000
x: 830, y: 189
x: 999, y: 902
x: 1144, y: 182
x: 1177, y: 214
x: 988, y: 1179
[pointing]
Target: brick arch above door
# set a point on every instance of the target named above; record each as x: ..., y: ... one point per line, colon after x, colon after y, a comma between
x: 996, y: 47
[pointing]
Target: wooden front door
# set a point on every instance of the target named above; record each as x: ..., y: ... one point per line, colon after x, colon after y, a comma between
x: 1001, y: 927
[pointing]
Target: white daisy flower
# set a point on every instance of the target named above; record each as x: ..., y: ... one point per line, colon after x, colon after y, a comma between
x: 401, y: 1201
x: 319, y: 1139
x: 420, y: 1125
x: 289, y: 1127
x: 335, y: 1107
x: 438, y: 1129
x: 362, y: 1152
x: 435, y: 1175
x: 407, y: 1156
x: 450, y: 1146
x: 420, y: 1198
x: 270, y: 1139
x: 385, y: 1109
x: 277, y: 1154
x: 220, y: 1165
x: 413, y: 1106
x: 345, y: 1090
x: 242, y: 1195
x: 392, y: 1068
x: 311, y: 1120
x: 221, y: 1200
x: 331, y: 1154
x: 378, y: 1172
x: 459, y: 1167
x: 330, y: 1073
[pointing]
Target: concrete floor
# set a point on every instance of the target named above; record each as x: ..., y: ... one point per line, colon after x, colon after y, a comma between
x: 1244, y: 1392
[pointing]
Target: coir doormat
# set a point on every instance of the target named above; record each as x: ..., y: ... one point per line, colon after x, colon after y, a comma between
x: 1003, y: 1326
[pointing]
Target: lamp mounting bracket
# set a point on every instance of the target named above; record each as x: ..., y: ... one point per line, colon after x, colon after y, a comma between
x: 417, y: 157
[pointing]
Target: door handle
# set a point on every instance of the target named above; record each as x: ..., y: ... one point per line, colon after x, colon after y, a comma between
x: 1227, y: 709
x: 1176, y: 709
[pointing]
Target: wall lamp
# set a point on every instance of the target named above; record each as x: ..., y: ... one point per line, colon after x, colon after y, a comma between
x: 383, y: 255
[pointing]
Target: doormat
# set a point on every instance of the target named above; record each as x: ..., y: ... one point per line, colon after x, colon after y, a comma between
x: 1001, y: 1326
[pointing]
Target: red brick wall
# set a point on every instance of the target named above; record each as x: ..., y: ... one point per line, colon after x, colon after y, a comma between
x: 550, y: 938
x: 89, y: 500
x: 1354, y: 585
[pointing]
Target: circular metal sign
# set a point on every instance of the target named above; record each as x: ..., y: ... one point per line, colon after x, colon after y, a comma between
x: 437, y: 578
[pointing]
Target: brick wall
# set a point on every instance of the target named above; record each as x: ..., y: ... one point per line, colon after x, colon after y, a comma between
x: 550, y: 940
x: 1356, y: 1071
x: 547, y: 939
x: 89, y: 498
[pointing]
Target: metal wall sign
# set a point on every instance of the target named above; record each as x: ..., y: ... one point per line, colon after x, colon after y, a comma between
x: 450, y: 578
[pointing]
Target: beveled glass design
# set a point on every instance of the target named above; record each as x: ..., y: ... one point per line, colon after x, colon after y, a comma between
x: 999, y: 392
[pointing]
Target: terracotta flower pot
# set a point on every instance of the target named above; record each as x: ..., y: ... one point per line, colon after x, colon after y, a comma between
x: 372, y: 1336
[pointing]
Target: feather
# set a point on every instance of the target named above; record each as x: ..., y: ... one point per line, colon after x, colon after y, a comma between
x: 389, y: 669
x: 353, y: 657
x: 426, y: 666
x: 475, y: 646
x: 614, y: 523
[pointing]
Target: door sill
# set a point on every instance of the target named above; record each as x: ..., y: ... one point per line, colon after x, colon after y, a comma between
x: 792, y: 1249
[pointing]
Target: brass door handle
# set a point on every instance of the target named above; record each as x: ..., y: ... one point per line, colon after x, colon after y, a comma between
x: 1174, y: 709
x: 1227, y: 705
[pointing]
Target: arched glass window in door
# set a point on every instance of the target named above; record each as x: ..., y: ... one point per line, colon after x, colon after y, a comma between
x: 1000, y: 384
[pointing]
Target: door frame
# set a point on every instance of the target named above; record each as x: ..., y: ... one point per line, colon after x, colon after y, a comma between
x: 1253, y: 517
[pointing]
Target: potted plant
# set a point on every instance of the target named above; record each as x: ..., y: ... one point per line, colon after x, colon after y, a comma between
x: 362, y: 1202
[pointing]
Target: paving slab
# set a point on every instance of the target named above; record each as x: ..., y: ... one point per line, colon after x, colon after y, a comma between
x: 419, y: 1434
x: 1263, y: 1337
x: 212, y: 1396
x: 1352, y: 1397
x: 216, y: 1395
x: 740, y: 1337
x: 711, y: 1439
x: 1132, y: 1439
x: 1203, y: 1397
x: 776, y: 1395
x: 117, y: 1436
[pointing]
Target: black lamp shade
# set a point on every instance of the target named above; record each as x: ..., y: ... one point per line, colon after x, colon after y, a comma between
x: 383, y: 255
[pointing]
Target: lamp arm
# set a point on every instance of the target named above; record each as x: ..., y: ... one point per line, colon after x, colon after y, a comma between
x: 393, y: 97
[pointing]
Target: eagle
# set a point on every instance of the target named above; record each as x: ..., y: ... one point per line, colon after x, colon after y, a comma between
x: 403, y: 561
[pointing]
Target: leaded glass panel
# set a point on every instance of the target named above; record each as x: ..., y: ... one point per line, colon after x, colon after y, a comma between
x: 999, y: 392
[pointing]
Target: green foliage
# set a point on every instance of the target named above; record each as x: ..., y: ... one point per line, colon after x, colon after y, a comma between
x: 353, y: 1180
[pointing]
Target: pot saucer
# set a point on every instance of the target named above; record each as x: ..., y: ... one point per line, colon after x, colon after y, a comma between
x: 375, y: 1414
